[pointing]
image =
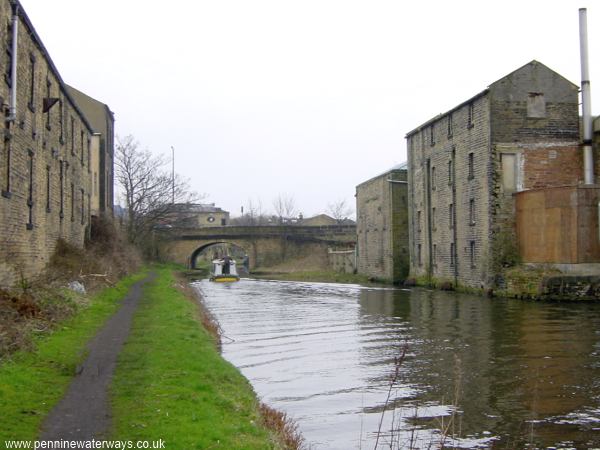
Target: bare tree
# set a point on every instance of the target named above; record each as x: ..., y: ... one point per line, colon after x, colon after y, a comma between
x: 340, y: 210
x: 151, y: 194
x: 285, y: 207
x: 252, y: 214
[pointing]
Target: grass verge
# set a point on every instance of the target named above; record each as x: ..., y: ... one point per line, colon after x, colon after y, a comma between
x: 32, y: 382
x: 171, y: 382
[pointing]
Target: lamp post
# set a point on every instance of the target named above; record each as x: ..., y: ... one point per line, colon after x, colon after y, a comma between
x: 173, y: 174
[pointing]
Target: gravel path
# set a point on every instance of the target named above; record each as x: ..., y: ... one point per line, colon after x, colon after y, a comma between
x: 84, y: 412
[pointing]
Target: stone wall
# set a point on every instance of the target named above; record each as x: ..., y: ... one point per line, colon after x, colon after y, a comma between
x: 466, y: 165
x: 382, y: 226
x: 44, y: 159
x: 343, y: 261
x: 449, y: 172
x: 535, y: 132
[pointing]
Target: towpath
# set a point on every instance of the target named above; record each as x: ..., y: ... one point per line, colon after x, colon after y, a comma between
x: 84, y: 412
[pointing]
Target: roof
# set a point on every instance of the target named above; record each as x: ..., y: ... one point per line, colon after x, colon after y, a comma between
x: 35, y: 37
x: 397, y: 167
x: 95, y: 111
x: 198, y: 208
x: 480, y: 94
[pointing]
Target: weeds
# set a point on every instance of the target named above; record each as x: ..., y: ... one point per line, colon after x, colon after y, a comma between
x: 447, y: 431
x: 285, y: 427
x: 35, y: 306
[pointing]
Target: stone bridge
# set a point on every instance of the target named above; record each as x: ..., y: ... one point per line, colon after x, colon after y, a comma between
x: 265, y: 246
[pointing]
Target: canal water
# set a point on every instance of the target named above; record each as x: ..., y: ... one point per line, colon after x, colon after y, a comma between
x: 476, y: 372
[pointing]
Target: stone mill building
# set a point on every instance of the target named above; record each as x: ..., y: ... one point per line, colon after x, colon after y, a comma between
x: 382, y: 226
x: 473, y: 172
x: 46, y: 161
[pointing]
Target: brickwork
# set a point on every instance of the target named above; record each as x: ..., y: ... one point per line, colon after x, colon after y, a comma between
x: 466, y: 165
x: 382, y: 226
x: 44, y: 159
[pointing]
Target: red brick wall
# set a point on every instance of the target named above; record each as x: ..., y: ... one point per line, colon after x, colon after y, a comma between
x: 552, y: 166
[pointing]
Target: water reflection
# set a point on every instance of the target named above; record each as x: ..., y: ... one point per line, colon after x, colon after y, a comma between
x: 494, y: 373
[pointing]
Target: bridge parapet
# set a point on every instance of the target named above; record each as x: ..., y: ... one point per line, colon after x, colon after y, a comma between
x: 266, y: 245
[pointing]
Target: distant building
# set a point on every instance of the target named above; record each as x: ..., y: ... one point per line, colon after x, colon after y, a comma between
x: 101, y: 146
x: 382, y: 225
x: 197, y: 215
x: 318, y: 221
x: 45, y: 160
x: 468, y: 166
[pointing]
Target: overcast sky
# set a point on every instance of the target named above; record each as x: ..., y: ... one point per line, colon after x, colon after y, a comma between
x: 306, y: 98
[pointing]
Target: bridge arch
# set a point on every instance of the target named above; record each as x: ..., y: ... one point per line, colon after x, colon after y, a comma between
x: 266, y: 246
x: 206, y: 246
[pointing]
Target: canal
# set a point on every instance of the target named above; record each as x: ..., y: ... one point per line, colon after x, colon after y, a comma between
x: 476, y: 373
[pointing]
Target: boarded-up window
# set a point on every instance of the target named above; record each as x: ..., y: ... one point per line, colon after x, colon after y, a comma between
x: 509, y: 172
x: 536, y: 105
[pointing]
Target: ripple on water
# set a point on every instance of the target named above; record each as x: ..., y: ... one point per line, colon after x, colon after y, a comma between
x: 504, y: 373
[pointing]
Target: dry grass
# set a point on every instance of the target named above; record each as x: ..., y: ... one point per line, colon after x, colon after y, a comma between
x: 284, y: 428
x: 35, y: 306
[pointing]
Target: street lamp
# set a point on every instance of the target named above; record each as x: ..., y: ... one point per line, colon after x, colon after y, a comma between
x: 173, y: 174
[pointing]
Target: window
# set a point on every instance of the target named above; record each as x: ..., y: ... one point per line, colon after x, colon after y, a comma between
x: 452, y: 254
x: 536, y: 105
x: 450, y: 172
x: 433, y: 178
x: 82, y: 146
x: 450, y: 126
x: 472, y: 212
x: 95, y: 183
x: 82, y: 207
x: 509, y: 169
x: 61, y: 121
x: 8, y: 60
x: 434, y: 255
x: 419, y: 221
x: 431, y: 135
x: 31, y: 103
x: 72, y: 202
x: 48, y: 90
x: 48, y: 179
x: 433, y: 218
x: 471, y: 166
x: 419, y: 255
x: 472, y: 252
x: 72, y: 136
x: 61, y: 179
x: 7, y: 154
x: 30, y: 191
x: 89, y: 156
x: 471, y: 114
x: 451, y: 215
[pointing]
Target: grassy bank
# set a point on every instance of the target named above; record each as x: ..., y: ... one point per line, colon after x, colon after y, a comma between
x: 172, y: 384
x: 32, y: 382
x: 316, y: 276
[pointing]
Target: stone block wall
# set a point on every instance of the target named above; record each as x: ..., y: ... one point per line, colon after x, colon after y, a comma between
x: 466, y: 165
x: 44, y: 158
x: 449, y: 173
x: 382, y: 226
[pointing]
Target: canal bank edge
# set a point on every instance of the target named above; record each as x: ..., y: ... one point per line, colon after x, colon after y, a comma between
x: 172, y: 383
x: 527, y: 282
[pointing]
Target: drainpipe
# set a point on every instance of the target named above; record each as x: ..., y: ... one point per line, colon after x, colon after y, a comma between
x: 586, y: 105
x: 12, y: 112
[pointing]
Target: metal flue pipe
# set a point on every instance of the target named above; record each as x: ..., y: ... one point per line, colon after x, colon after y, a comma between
x: 12, y: 113
x: 586, y: 103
